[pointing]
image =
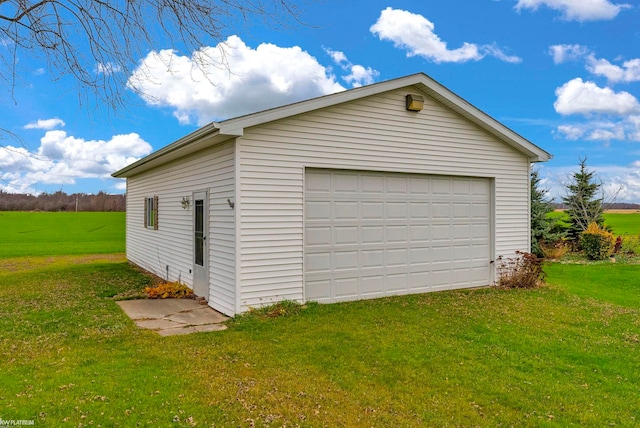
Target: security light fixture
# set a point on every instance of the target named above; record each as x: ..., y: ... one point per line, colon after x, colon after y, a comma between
x: 415, y: 102
x: 185, y: 202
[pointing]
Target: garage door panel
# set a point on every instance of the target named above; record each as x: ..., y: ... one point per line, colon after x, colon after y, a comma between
x: 318, y: 182
x: 375, y: 234
x: 397, y: 282
x: 345, y: 235
x: 317, y: 210
x: 345, y: 260
x: 344, y: 210
x: 319, y: 291
x: 440, y: 232
x: 440, y: 210
x: 419, y: 281
x: 419, y: 186
x: 461, y: 231
x: 371, y: 258
x: 480, y: 211
x: 396, y: 234
x: 397, y: 257
x: 346, y: 287
x: 397, y: 211
x: 318, y: 236
x: 419, y: 233
x: 372, y: 210
x: 320, y: 262
x: 440, y: 278
x: 419, y: 210
x: 441, y: 186
x: 370, y: 183
x: 480, y: 230
x: 418, y: 255
x: 372, y: 234
x: 372, y: 285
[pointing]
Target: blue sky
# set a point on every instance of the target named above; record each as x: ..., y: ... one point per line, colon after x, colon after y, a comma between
x: 565, y: 74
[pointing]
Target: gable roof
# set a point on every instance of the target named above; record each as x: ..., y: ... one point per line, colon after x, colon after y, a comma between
x: 216, y: 132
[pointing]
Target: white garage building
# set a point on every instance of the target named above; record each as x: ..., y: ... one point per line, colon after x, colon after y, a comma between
x: 393, y: 188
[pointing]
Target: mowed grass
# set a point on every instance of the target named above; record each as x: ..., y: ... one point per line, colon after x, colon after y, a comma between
x: 623, y: 224
x: 564, y: 355
x: 45, y: 233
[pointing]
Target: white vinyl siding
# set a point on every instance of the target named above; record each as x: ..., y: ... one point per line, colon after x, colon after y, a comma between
x: 172, y: 244
x: 369, y: 134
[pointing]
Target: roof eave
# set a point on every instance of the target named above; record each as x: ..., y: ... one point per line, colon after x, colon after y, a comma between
x: 191, y: 143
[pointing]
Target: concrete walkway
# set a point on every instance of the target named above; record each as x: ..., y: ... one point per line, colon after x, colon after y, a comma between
x: 170, y: 317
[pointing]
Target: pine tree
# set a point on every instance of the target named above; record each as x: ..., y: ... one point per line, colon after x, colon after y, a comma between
x: 582, y: 201
x: 542, y: 230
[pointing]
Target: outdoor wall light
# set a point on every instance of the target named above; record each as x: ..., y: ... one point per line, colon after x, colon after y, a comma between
x: 185, y: 202
x: 414, y: 102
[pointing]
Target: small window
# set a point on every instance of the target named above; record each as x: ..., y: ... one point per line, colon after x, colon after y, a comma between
x: 151, y: 212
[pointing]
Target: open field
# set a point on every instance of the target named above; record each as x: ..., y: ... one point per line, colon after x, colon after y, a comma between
x: 45, y: 233
x: 622, y: 222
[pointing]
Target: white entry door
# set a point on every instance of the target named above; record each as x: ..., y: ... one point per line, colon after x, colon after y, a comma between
x: 200, y: 245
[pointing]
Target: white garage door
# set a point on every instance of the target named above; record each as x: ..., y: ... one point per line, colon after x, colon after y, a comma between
x: 370, y: 234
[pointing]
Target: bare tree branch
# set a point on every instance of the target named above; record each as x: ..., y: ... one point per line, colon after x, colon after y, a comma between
x: 99, y: 42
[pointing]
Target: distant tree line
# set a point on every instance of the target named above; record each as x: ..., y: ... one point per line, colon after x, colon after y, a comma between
x: 60, y: 201
x: 611, y: 206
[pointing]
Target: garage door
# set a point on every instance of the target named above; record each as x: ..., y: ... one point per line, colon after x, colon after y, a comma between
x: 370, y: 234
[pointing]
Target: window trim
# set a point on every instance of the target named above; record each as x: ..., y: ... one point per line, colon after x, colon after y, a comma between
x: 151, y: 212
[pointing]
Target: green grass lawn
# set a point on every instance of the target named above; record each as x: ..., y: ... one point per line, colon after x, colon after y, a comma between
x: 45, y: 233
x: 564, y: 355
x: 621, y: 224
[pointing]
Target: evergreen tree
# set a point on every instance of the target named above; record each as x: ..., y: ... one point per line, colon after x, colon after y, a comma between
x: 582, y: 201
x: 542, y: 230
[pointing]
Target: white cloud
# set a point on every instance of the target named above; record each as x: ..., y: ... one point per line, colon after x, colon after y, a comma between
x: 619, y: 183
x: 586, y: 98
x: 61, y: 159
x: 564, y: 53
x: 577, y: 10
x: 610, y: 115
x: 107, y: 68
x: 572, y: 132
x: 628, y: 72
x: 336, y: 56
x: 359, y: 75
x: 493, y: 50
x: 415, y: 34
x: 624, y: 186
x: 633, y: 123
x: 229, y: 80
x: 622, y: 129
x: 45, y: 124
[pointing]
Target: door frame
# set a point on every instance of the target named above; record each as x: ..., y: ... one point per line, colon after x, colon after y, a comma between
x: 201, y: 272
